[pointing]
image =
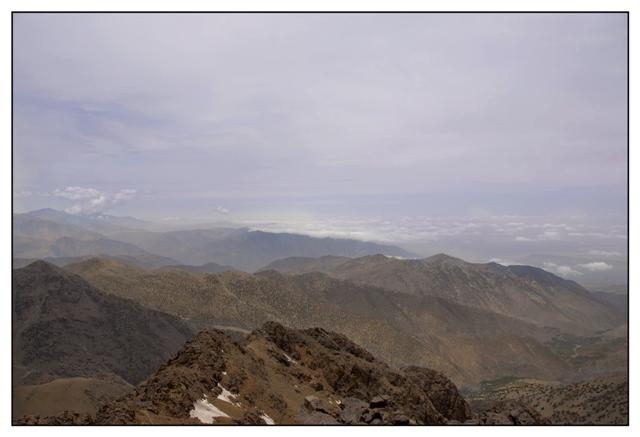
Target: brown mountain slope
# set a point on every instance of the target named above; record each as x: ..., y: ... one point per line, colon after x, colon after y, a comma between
x: 468, y: 344
x: 523, y: 292
x: 64, y: 327
x: 81, y: 395
x: 600, y: 401
x: 283, y: 376
x: 148, y: 261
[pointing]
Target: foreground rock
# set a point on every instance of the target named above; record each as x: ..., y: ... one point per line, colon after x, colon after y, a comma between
x: 283, y: 376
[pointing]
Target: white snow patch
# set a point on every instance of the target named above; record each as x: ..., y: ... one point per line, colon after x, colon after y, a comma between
x: 291, y: 360
x: 224, y: 373
x: 268, y: 420
x: 227, y: 396
x: 205, y: 412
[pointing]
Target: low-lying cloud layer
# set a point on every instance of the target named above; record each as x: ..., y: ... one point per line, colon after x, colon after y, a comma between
x: 91, y: 201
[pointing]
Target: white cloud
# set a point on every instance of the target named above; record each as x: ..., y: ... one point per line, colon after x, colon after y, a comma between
x: 605, y: 253
x: 598, y: 266
x: 564, y: 271
x: 77, y: 193
x: 222, y: 210
x: 22, y: 193
x: 90, y: 200
x: 523, y: 239
x: 504, y: 262
x: 548, y: 235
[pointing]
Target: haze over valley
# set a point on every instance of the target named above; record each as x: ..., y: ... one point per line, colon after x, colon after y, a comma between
x: 320, y: 219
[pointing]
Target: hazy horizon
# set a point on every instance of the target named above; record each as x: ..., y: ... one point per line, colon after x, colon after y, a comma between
x: 487, y: 136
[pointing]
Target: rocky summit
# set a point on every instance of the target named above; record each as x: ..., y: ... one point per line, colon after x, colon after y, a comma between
x: 278, y: 375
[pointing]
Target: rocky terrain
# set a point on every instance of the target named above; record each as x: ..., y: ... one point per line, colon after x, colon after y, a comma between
x: 282, y: 376
x: 595, y: 401
x: 523, y: 292
x: 401, y: 329
x: 78, y: 394
x: 63, y: 327
x: 86, y: 333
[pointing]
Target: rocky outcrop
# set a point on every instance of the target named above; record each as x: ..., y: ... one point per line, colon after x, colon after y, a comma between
x: 442, y: 392
x: 510, y: 412
x: 64, y: 327
x: 280, y: 375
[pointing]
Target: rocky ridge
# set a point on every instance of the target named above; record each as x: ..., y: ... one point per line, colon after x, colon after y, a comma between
x: 282, y: 376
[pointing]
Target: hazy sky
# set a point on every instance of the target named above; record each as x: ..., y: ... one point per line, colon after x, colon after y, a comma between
x: 312, y: 118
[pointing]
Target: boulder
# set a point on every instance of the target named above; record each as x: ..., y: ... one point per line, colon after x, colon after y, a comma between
x: 379, y: 401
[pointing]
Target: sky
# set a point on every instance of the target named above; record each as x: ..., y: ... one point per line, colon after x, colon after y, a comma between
x: 396, y: 127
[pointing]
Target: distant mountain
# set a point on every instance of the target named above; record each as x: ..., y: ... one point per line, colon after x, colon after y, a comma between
x: 299, y: 265
x: 617, y: 301
x: 283, y: 376
x: 51, y: 233
x: 467, y: 344
x: 37, y: 238
x: 37, y: 235
x: 143, y: 260
x: 614, y: 295
x: 614, y: 267
x: 248, y: 250
x: 69, y: 247
x: 98, y: 222
x: 33, y: 227
x: 204, y: 268
x: 63, y: 327
x: 527, y: 293
x: 33, y: 237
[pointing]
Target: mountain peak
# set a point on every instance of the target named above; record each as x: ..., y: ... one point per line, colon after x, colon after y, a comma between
x: 39, y: 267
x: 100, y: 263
x: 251, y: 381
x: 443, y: 258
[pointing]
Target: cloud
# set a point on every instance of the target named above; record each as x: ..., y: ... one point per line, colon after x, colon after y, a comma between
x: 548, y: 235
x: 503, y: 262
x: 77, y: 193
x: 90, y: 200
x: 228, y: 97
x: 564, y: 271
x: 598, y: 266
x: 22, y: 193
x: 520, y: 238
x: 605, y: 253
x: 222, y: 210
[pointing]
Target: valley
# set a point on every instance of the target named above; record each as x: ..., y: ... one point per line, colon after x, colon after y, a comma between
x: 471, y: 322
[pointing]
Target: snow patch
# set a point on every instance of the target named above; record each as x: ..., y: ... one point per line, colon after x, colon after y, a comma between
x: 205, y: 412
x: 227, y: 396
x: 291, y: 360
x: 268, y: 420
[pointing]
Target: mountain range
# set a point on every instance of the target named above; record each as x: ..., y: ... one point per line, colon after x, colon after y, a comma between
x: 50, y: 233
x: 101, y: 304
x: 403, y: 328
x: 63, y: 327
x: 277, y: 375
x: 523, y: 292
